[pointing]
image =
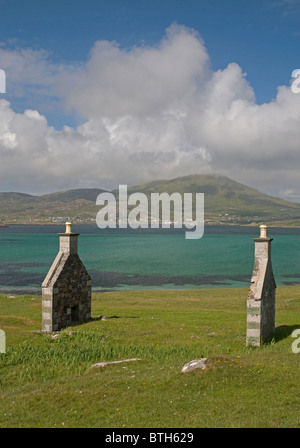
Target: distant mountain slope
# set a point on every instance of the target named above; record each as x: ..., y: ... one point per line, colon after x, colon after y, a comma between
x: 88, y: 194
x: 223, y: 196
x: 79, y: 205
x: 226, y: 202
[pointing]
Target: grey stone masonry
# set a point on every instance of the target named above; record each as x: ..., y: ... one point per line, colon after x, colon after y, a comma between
x: 261, y: 297
x: 67, y: 288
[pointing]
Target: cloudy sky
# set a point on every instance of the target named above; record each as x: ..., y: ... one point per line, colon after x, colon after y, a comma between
x: 108, y: 92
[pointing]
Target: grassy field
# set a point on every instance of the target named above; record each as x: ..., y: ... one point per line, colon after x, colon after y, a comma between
x: 46, y: 382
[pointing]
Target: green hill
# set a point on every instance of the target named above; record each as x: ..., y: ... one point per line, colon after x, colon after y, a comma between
x: 78, y: 205
x: 226, y: 202
x: 88, y: 194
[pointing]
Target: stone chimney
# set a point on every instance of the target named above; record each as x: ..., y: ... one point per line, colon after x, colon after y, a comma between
x: 66, y: 290
x: 261, y: 297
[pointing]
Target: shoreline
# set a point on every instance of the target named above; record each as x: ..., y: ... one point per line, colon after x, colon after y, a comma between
x: 275, y: 224
x: 210, y: 226
x: 149, y: 290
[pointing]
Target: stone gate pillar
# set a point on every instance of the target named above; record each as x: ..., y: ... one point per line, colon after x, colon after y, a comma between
x: 261, y: 297
x: 66, y: 290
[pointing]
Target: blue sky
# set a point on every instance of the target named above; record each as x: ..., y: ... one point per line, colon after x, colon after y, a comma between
x: 263, y: 36
x: 57, y: 39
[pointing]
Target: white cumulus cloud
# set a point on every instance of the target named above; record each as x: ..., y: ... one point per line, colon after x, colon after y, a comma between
x: 148, y: 112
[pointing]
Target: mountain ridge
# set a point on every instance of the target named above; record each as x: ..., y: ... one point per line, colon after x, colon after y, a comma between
x: 225, y: 200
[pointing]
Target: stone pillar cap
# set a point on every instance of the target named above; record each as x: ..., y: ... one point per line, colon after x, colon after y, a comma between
x: 68, y: 231
x: 68, y: 227
x: 263, y: 231
x: 263, y: 234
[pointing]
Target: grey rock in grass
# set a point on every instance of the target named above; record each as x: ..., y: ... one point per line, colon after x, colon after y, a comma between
x: 195, y: 364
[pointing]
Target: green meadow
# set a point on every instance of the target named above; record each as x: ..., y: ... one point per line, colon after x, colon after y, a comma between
x: 48, y: 382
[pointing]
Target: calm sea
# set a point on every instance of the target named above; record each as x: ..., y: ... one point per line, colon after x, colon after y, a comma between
x: 147, y: 259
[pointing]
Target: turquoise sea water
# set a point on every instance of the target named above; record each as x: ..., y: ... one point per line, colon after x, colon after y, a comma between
x: 148, y: 259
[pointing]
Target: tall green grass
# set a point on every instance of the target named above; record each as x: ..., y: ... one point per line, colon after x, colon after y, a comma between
x: 74, y: 354
x: 46, y: 382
